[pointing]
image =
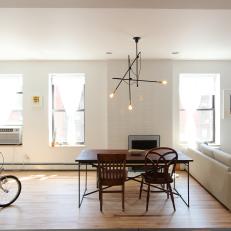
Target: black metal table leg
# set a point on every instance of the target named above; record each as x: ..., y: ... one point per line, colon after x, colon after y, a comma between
x: 177, y: 193
x: 79, y: 183
x: 85, y: 189
x: 174, y: 180
x: 85, y: 180
x: 188, y: 182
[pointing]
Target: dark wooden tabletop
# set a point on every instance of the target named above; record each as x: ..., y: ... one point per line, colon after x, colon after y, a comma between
x: 90, y: 155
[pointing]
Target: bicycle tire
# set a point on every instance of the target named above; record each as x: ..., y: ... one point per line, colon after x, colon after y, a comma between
x: 5, y: 181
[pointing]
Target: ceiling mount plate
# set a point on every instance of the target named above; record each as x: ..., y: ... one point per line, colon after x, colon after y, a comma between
x: 136, y: 39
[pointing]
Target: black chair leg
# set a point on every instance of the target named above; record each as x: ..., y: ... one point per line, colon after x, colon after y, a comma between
x: 97, y: 180
x: 98, y: 189
x: 123, y: 197
x: 141, y: 188
x: 101, y: 197
x: 172, y: 197
x: 148, y: 195
x: 167, y: 192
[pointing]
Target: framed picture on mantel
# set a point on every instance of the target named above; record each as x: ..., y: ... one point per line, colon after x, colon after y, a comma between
x: 227, y: 103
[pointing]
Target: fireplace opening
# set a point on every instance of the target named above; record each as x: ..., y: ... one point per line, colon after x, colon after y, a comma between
x: 137, y: 144
x: 143, y: 142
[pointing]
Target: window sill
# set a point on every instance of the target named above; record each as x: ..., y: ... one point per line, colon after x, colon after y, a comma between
x: 66, y: 145
x: 214, y: 145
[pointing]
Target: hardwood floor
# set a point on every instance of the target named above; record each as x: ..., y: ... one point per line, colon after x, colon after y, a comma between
x: 49, y: 200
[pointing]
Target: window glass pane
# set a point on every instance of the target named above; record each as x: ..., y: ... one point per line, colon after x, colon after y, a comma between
x: 204, y: 125
x: 203, y: 121
x: 11, y: 100
x: 60, y: 127
x: 61, y: 130
x: 68, y: 108
x: 79, y: 126
x: 58, y: 102
x: 199, y: 102
x: 206, y: 101
x: 81, y: 102
x: 15, y: 118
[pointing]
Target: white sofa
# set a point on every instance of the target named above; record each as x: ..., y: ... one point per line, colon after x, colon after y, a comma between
x: 212, y: 168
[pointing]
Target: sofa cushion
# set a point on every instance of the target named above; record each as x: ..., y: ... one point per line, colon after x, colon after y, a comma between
x: 205, y: 149
x: 222, y: 157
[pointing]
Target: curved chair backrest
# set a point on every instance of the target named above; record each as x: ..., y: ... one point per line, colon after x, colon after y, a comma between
x: 160, y: 160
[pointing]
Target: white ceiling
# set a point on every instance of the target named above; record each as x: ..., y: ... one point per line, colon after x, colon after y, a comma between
x: 88, y: 33
x: 158, y: 4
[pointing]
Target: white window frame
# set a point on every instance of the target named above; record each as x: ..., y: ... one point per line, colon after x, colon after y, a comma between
x: 52, y: 141
x: 216, y: 140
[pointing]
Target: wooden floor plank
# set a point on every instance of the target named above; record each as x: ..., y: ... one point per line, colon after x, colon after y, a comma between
x: 49, y: 200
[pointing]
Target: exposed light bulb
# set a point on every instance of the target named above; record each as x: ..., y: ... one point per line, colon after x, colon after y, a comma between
x: 164, y: 82
x: 111, y: 95
x: 130, y: 107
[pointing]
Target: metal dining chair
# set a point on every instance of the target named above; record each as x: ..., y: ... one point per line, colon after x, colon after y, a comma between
x: 160, y: 164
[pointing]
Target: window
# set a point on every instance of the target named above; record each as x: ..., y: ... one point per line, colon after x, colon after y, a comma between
x: 11, y: 100
x: 67, y: 109
x: 199, y: 108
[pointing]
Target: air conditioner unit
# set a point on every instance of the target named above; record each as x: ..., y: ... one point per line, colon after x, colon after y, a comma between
x: 10, y: 135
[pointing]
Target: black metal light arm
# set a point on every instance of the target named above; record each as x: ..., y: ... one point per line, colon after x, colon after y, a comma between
x: 137, y: 72
x: 129, y: 68
x: 141, y: 80
x: 129, y: 84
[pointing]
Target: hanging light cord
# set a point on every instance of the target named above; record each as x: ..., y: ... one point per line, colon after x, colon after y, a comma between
x: 137, y: 75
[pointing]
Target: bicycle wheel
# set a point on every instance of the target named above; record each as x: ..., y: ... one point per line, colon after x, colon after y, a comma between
x: 10, y: 188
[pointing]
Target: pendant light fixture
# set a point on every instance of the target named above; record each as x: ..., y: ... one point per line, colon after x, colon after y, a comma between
x: 133, y: 76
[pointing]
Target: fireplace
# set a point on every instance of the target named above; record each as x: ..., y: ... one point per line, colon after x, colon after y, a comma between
x: 143, y: 142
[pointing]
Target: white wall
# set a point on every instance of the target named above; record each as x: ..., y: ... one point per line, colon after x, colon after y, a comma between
x: 152, y: 106
x: 108, y: 121
x: 35, y: 146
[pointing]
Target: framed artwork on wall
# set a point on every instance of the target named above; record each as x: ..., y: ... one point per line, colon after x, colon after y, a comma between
x: 227, y: 103
x: 37, y: 101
